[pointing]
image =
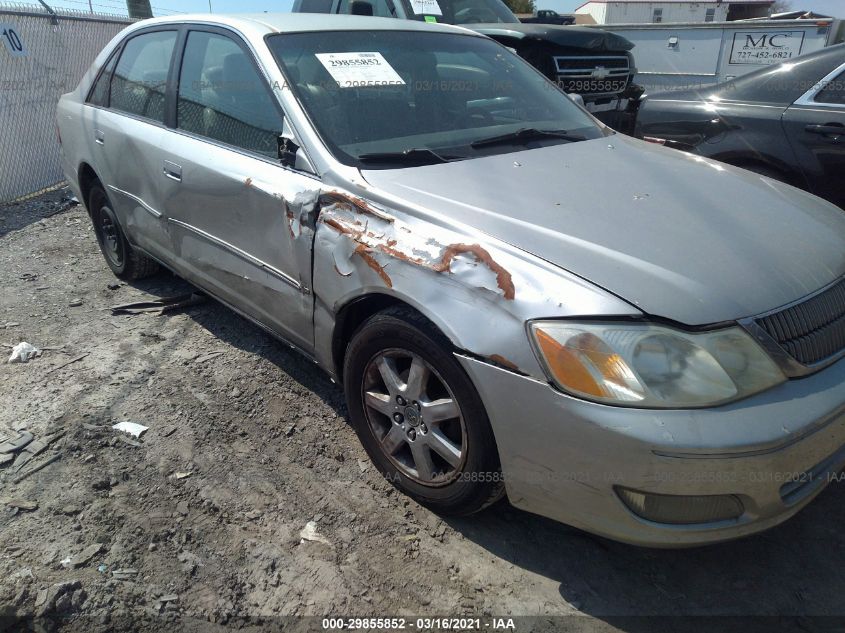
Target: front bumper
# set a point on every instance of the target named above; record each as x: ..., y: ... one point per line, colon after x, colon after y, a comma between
x: 563, y: 457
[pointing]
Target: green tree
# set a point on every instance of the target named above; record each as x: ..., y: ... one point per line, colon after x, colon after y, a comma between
x: 521, y: 6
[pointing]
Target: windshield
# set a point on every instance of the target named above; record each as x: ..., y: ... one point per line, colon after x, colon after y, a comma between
x: 433, y: 96
x: 460, y: 11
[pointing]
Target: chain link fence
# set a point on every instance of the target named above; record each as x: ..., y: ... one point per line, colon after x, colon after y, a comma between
x: 42, y: 56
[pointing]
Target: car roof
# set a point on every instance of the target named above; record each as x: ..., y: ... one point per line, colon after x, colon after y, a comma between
x: 266, y: 23
x: 779, y: 84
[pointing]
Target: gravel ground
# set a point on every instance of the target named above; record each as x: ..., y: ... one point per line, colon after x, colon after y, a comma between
x: 201, y: 517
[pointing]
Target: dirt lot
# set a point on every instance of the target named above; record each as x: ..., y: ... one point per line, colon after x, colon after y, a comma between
x: 247, y: 443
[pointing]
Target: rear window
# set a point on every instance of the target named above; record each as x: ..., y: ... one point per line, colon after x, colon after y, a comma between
x: 140, y: 78
x: 833, y: 92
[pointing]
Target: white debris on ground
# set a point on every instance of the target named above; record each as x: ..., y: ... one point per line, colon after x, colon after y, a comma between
x: 310, y: 533
x: 132, y: 428
x: 23, y: 352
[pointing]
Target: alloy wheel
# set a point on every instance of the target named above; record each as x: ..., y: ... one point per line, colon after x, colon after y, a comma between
x: 415, y: 417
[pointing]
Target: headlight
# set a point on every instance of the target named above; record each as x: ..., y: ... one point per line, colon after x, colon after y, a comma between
x: 642, y: 365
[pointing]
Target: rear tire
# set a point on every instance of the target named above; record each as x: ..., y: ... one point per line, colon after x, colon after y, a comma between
x: 125, y: 262
x: 419, y: 416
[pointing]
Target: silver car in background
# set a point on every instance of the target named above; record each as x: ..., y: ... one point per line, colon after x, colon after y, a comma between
x: 641, y: 343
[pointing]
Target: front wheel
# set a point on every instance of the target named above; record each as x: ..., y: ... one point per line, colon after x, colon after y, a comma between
x: 419, y: 416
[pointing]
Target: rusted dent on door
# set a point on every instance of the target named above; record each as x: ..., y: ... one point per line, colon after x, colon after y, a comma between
x: 301, y: 213
x: 289, y: 217
x: 248, y: 182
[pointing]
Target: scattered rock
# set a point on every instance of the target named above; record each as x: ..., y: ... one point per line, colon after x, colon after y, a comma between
x: 124, y: 574
x: 21, y: 504
x: 87, y: 554
x: 62, y: 598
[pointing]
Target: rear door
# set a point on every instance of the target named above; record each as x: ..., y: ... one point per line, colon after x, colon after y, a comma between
x: 815, y: 126
x: 228, y: 200
x: 126, y: 124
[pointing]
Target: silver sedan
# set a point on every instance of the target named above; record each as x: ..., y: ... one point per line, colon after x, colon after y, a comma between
x: 517, y: 300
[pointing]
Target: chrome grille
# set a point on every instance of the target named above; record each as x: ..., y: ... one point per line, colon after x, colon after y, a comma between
x: 811, y: 331
x: 595, y: 75
x: 615, y: 65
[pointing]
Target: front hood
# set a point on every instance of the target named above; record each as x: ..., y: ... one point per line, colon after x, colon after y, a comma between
x: 677, y: 235
x: 568, y: 36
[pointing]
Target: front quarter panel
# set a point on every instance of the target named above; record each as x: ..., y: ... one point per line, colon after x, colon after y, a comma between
x: 480, y: 293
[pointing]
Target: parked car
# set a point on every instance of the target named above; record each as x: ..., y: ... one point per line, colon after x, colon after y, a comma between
x: 547, y: 16
x: 638, y: 342
x: 786, y: 122
x: 596, y: 64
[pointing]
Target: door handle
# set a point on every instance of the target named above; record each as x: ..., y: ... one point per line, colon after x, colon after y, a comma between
x: 830, y: 129
x: 99, y: 137
x: 172, y: 171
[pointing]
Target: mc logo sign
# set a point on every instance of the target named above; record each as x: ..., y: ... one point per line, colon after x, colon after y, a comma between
x: 763, y: 48
x: 765, y: 40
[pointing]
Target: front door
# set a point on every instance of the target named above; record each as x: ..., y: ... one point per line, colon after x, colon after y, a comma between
x: 815, y: 127
x: 228, y: 200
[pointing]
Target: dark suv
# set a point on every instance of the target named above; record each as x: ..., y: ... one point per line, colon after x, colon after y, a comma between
x: 593, y: 63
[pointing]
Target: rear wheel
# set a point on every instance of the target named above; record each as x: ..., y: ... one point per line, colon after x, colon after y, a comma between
x: 418, y: 415
x: 126, y: 262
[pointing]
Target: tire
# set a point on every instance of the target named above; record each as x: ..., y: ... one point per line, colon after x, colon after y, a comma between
x: 399, y: 426
x: 125, y: 262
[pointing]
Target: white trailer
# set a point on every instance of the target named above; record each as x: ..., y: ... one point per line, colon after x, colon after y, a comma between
x: 692, y: 55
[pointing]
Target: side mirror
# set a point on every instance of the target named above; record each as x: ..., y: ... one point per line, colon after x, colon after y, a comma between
x: 287, y: 151
x: 576, y: 98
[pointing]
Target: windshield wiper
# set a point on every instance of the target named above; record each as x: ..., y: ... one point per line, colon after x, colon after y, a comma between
x: 411, y: 156
x: 527, y: 134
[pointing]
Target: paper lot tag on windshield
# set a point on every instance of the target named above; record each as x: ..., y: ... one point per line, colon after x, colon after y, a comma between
x: 352, y: 70
x: 426, y: 7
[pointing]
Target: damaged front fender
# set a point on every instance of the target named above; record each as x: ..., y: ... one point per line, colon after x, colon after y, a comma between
x: 478, y: 291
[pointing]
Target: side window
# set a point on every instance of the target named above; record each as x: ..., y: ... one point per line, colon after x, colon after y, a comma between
x: 223, y: 97
x: 380, y: 8
x: 99, y: 95
x: 833, y: 92
x: 140, y: 77
x: 314, y: 6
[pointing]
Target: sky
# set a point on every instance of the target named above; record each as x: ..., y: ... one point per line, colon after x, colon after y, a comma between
x: 835, y: 8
